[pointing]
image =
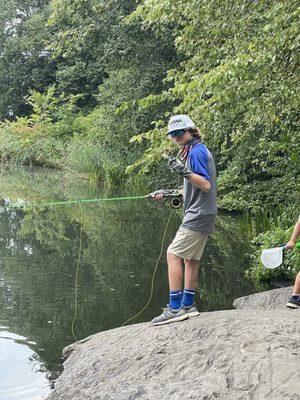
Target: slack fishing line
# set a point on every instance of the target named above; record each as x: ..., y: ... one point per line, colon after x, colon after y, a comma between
x: 152, y: 279
x: 77, y: 275
x: 154, y: 273
x: 175, y: 202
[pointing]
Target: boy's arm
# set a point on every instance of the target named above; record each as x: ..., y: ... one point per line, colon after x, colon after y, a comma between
x: 200, y: 182
x: 295, y: 234
x: 198, y: 174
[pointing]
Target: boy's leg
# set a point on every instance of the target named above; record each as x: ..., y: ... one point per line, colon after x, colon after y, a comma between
x: 175, y: 280
x: 191, y: 273
x: 173, y: 312
x: 296, y: 290
x: 184, y: 243
x: 294, y: 300
x: 190, y: 282
x: 191, y: 270
x: 174, y: 271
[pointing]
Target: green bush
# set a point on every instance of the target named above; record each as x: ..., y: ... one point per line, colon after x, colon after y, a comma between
x: 101, y: 165
x: 83, y: 156
x: 279, y: 234
x: 21, y: 143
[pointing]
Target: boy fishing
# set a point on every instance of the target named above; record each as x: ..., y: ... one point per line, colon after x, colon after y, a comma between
x: 294, y: 300
x: 197, y: 168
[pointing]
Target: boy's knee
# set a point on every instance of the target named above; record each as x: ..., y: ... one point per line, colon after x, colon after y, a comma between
x: 192, y: 263
x: 171, y: 256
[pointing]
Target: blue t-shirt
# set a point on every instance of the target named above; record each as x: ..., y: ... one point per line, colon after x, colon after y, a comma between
x: 200, y: 208
x: 198, y: 159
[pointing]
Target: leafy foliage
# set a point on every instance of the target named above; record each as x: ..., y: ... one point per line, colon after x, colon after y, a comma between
x: 89, y: 86
x: 40, y: 138
x: 291, y: 259
x: 279, y: 233
x: 25, y: 62
x: 238, y: 82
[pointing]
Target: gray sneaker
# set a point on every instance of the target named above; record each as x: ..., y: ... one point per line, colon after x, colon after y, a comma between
x: 294, y: 302
x: 191, y: 311
x: 170, y: 315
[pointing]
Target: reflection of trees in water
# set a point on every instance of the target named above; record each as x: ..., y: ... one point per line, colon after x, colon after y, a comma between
x: 120, y: 247
x: 124, y: 240
x: 40, y: 283
x: 121, y: 243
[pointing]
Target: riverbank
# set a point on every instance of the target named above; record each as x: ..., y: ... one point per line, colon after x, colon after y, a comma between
x: 232, y: 354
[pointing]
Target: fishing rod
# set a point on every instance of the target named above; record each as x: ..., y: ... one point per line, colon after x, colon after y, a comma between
x: 174, y: 196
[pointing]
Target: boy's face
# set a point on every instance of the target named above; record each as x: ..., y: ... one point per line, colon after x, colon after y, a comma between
x: 183, y: 139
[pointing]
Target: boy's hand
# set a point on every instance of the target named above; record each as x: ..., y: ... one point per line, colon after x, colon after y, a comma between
x: 290, y: 245
x: 157, y: 195
x: 176, y: 165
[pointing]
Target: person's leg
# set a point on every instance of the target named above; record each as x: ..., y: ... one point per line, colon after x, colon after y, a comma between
x: 294, y: 300
x: 296, y: 290
x: 190, y: 282
x: 173, y: 312
x: 175, y: 275
x: 191, y: 273
x: 183, y: 243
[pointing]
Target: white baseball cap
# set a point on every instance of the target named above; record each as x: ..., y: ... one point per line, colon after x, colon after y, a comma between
x: 180, y: 121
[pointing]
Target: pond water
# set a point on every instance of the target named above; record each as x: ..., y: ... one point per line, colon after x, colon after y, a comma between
x: 48, y: 295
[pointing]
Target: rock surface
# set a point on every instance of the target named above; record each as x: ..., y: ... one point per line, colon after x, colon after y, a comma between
x: 226, y: 355
x: 276, y: 298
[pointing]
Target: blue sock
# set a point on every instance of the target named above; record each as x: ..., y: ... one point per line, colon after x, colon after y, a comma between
x: 188, y: 297
x: 175, y: 299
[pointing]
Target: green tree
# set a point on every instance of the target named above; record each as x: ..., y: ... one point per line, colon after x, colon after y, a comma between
x: 238, y: 82
x: 126, y: 60
x: 25, y: 62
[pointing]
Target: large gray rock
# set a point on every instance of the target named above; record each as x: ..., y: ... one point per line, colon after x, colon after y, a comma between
x: 276, y: 298
x: 225, y: 355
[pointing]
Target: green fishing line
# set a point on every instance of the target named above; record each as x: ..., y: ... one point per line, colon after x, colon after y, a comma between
x: 77, y: 274
x: 79, y: 201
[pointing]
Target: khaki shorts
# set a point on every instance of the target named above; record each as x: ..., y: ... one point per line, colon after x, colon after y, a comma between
x: 188, y: 244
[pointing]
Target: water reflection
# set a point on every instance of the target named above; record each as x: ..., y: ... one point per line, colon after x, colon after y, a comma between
x: 120, y: 244
x: 22, y: 374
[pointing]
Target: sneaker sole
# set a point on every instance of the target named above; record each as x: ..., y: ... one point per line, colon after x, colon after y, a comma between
x: 292, y: 305
x: 193, y: 314
x: 168, y: 321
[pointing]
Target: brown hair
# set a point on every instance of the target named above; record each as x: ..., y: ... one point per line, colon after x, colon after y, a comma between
x: 195, y: 133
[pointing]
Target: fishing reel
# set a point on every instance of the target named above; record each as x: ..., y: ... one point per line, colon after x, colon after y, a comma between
x: 176, y: 201
x: 175, y: 197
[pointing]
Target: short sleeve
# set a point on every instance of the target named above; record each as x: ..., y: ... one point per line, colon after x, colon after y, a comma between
x: 199, y: 161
